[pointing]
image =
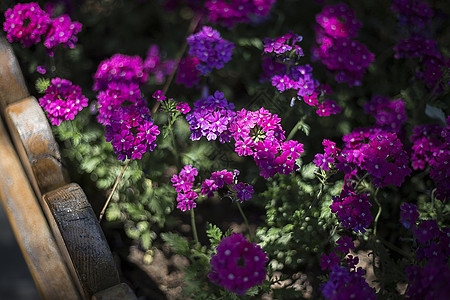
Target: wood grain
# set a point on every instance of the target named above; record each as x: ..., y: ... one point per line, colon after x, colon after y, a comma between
x: 83, y: 238
x: 36, y: 145
x: 12, y: 83
x: 121, y: 291
x: 30, y: 227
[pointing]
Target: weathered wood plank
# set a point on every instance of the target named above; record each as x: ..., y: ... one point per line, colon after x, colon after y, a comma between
x: 36, y: 145
x: 30, y: 227
x: 83, y: 238
x: 121, y: 291
x: 12, y: 83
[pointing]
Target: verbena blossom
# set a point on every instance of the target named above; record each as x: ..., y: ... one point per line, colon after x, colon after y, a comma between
x: 259, y: 134
x: 346, y: 284
x: 385, y: 160
x: 390, y: 115
x: 62, y: 31
x: 227, y: 182
x: 328, y: 261
x: 120, y: 69
x: 345, y: 244
x: 183, y: 184
x: 327, y: 108
x: 208, y: 47
x: 211, y: 117
x: 228, y: 13
x: 26, y: 23
x: 116, y: 96
x: 238, y: 264
x: 131, y: 132
x: 284, y: 47
x: 155, y: 66
x: 327, y: 160
x: 426, y: 142
x: 188, y: 74
x: 338, y: 21
x: 413, y: 13
x: 348, y: 59
x: 183, y: 107
x: 352, y: 210
x: 62, y: 101
x: 244, y: 191
x: 428, y: 277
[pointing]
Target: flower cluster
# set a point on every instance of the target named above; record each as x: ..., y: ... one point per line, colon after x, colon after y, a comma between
x: 238, y: 264
x: 208, y: 47
x: 116, y: 96
x: 62, y: 101
x: 346, y: 58
x: 352, y: 210
x: 188, y: 74
x: 183, y: 184
x: 385, y: 160
x: 27, y: 23
x: 431, y: 145
x: 284, y: 73
x: 154, y: 65
x: 415, y: 17
x: 131, y: 132
x: 389, y: 115
x: 211, y: 117
x: 119, y: 68
x: 429, y: 276
x: 378, y: 152
x: 284, y: 47
x: 347, y: 284
x: 259, y: 134
x: 327, y: 160
x: 229, y: 13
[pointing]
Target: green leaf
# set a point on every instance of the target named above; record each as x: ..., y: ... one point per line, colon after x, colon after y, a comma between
x: 146, y: 240
x: 178, y: 243
x: 214, y: 233
x: 435, y: 113
x: 42, y: 84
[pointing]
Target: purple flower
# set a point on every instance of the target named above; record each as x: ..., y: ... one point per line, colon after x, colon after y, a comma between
x: 238, y: 264
x: 345, y: 284
x: 327, y: 261
x: 188, y: 74
x: 183, y: 107
x: 345, y: 244
x: 158, y: 96
x: 131, y: 132
x: 26, y: 23
x: 389, y: 115
x: 415, y: 13
x: 323, y: 161
x: 115, y: 97
x: 62, y: 31
x: 211, y: 117
x: 408, y: 215
x: 282, y: 47
x: 41, y: 69
x: 339, y: 21
x: 183, y: 184
x: 154, y: 65
x: 229, y: 13
x: 327, y: 108
x: 244, y: 191
x: 352, y: 210
x: 62, y: 101
x: 208, y: 47
x: 120, y: 69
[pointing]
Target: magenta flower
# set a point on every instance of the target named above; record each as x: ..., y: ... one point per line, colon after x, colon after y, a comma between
x: 183, y: 107
x: 188, y: 74
x: 62, y: 31
x: 389, y: 115
x: 339, y: 21
x: 120, y: 69
x: 26, y: 23
x: 238, y: 264
x: 183, y: 184
x: 62, y: 101
x: 345, y: 244
x: 131, y: 132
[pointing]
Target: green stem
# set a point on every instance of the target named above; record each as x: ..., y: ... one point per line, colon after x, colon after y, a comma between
x: 378, y: 213
x: 360, y: 180
x: 194, y: 227
x: 246, y: 221
x: 296, y: 127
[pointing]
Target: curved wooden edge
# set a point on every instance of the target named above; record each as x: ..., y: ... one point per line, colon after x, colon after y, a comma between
x: 82, y: 236
x: 30, y: 227
x: 12, y: 83
x: 121, y: 291
x: 36, y: 145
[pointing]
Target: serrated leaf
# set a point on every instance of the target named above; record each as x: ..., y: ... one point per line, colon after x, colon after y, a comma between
x: 146, y: 240
x: 178, y: 244
x: 214, y: 234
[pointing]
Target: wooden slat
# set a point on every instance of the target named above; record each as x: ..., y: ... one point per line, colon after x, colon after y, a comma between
x: 36, y: 145
x: 12, y: 84
x: 83, y: 238
x: 121, y: 291
x: 30, y: 227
